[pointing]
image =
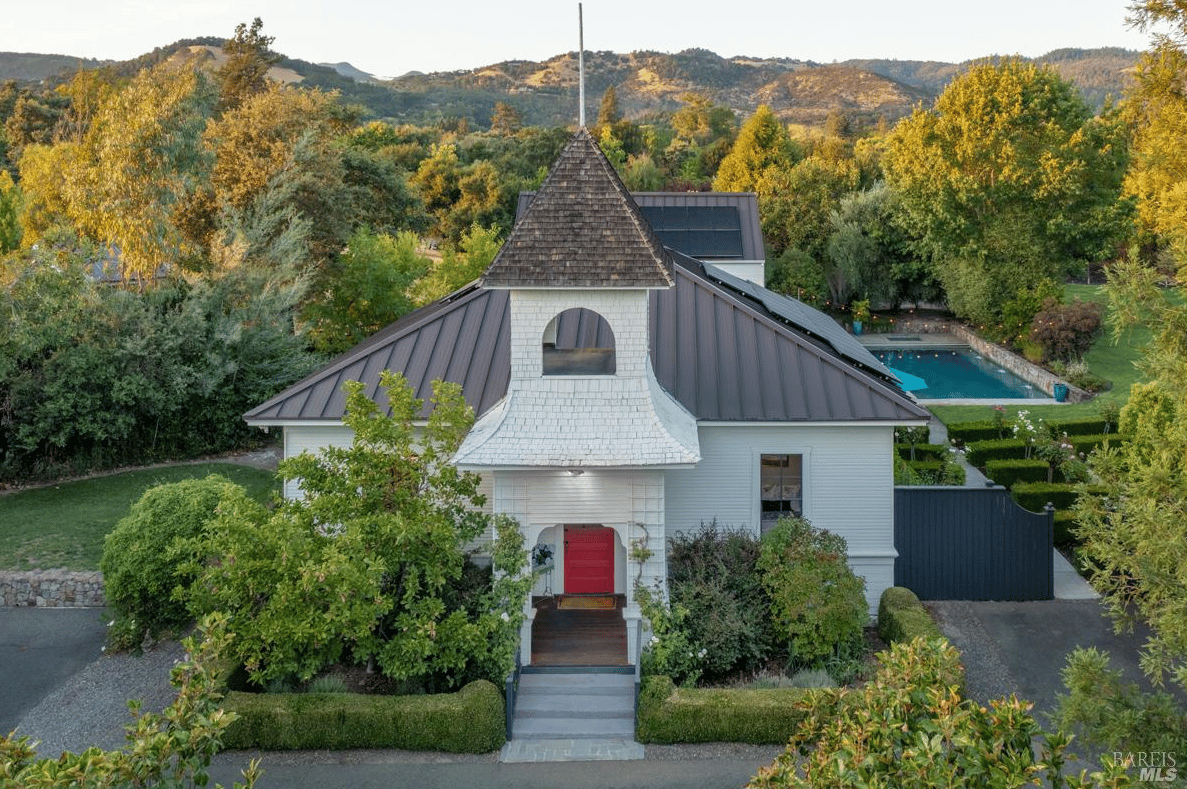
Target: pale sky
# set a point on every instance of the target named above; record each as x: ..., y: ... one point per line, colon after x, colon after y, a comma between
x: 389, y: 38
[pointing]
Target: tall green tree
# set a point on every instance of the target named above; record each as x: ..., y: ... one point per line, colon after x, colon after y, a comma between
x: 366, y: 290
x: 1136, y: 536
x: 1008, y: 184
x: 1156, y: 106
x: 10, y: 221
x: 761, y: 148
x: 245, y: 72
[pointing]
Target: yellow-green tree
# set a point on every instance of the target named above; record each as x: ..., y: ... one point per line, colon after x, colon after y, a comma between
x: 1136, y: 536
x: 1156, y: 106
x: 137, y: 160
x: 762, y: 146
x: 1008, y: 183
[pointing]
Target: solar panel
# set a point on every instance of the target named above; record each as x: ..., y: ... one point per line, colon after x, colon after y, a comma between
x: 697, y: 231
x: 800, y: 314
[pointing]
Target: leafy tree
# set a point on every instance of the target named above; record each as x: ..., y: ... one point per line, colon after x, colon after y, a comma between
x: 1008, y: 183
x: 249, y: 56
x: 459, y: 265
x: 1156, y: 106
x: 910, y: 726
x: 370, y: 283
x: 10, y: 226
x: 797, y: 203
x: 505, y: 119
x: 609, y: 112
x: 762, y: 147
x: 139, y: 158
x: 360, y: 565
x: 1133, y: 535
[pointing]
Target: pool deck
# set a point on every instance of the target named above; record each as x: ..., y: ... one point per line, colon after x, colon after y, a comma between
x: 909, y: 340
x: 943, y: 340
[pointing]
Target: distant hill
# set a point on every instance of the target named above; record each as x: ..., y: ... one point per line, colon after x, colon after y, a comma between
x: 647, y: 83
x: 1098, y: 73
x: 30, y: 67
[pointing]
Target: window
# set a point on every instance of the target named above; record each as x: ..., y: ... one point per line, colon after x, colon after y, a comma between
x: 781, y: 487
x: 578, y: 342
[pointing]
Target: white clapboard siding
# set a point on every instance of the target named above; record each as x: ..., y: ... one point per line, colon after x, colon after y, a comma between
x: 848, y: 487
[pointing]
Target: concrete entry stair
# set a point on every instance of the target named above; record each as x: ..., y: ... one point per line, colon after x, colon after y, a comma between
x: 574, y: 716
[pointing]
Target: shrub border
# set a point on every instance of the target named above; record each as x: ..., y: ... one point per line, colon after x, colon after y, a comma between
x: 468, y: 721
x: 668, y: 714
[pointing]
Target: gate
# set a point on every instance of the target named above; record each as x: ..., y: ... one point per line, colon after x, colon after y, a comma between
x: 971, y: 544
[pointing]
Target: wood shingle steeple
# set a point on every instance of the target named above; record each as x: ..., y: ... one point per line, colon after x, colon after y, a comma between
x: 582, y: 230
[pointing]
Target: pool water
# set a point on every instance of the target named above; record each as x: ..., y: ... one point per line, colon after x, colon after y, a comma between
x: 949, y: 373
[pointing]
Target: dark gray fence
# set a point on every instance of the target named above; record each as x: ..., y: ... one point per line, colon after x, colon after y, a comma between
x: 971, y: 544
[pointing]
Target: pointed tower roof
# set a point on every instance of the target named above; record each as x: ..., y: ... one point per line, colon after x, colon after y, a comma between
x: 582, y: 230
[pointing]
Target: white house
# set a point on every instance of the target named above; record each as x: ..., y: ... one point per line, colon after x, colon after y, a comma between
x: 624, y: 391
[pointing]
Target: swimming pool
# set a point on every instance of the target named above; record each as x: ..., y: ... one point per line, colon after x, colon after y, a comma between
x: 954, y: 373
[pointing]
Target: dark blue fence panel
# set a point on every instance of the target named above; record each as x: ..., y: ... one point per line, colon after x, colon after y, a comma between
x: 971, y: 544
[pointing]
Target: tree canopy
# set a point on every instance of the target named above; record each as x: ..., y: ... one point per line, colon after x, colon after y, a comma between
x: 1008, y: 183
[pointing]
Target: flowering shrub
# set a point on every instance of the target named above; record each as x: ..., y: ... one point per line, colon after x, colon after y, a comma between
x: 670, y: 651
x: 1027, y: 430
x: 713, y: 573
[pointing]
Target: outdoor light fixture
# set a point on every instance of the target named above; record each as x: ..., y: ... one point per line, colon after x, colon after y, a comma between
x: 576, y: 472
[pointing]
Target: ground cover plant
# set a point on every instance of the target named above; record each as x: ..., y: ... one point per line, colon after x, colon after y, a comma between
x: 63, y: 525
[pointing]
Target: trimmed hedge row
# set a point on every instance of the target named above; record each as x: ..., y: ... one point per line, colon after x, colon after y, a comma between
x: 901, y: 617
x: 979, y: 430
x: 469, y: 721
x: 668, y: 714
x: 923, y: 452
x: 1009, y: 473
x: 979, y: 453
x: 1034, y: 496
x: 935, y: 471
x: 1087, y: 443
x: 987, y: 430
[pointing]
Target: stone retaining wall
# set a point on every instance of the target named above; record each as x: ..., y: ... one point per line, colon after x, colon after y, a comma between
x: 51, y: 589
x: 1031, y: 373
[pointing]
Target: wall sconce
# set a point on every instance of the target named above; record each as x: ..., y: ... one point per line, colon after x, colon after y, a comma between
x: 576, y: 472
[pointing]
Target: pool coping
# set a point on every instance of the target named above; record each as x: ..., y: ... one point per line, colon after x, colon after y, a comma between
x: 937, y: 333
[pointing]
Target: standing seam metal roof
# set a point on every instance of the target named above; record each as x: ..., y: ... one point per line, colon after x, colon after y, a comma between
x: 722, y: 355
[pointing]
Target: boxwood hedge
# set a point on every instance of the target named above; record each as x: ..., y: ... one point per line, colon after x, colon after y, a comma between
x: 1008, y: 473
x: 469, y: 721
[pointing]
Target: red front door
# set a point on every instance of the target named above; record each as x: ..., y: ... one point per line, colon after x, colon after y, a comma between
x: 589, y: 560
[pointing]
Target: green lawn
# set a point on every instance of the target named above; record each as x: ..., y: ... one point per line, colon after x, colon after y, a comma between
x: 1110, y: 359
x: 63, y: 525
